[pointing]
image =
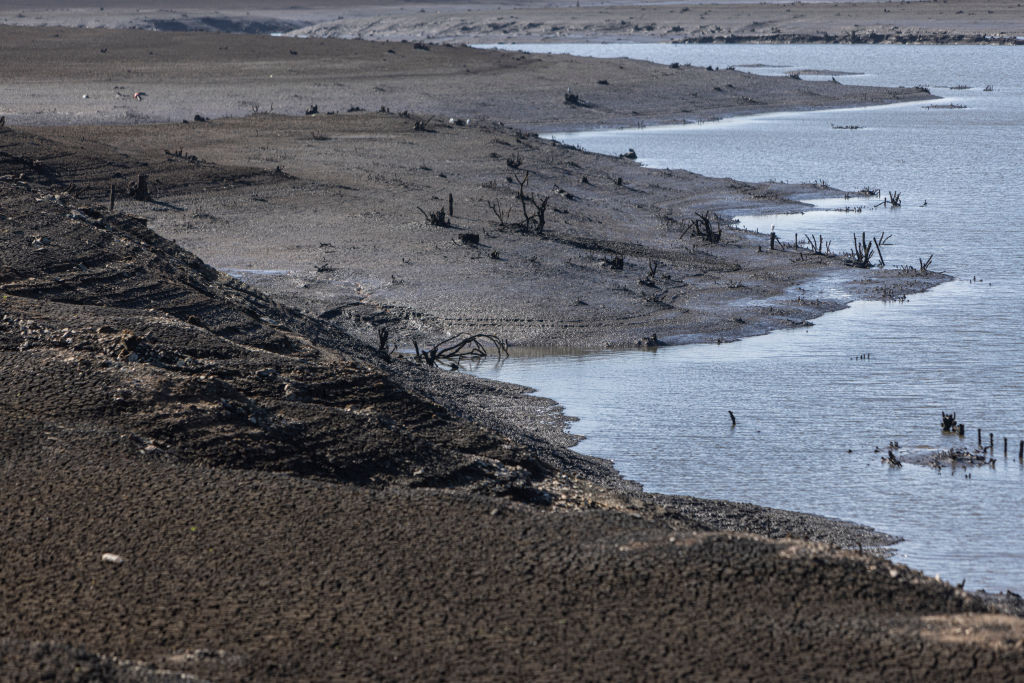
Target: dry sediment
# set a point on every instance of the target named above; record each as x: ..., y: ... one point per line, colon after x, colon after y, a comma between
x: 973, y: 22
x: 198, y: 479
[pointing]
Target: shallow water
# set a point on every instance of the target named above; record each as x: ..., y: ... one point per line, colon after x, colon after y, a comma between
x: 811, y: 406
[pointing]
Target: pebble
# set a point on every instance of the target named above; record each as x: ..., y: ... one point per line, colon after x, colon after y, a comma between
x: 112, y: 558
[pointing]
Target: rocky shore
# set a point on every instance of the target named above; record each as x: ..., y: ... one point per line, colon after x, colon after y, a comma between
x: 208, y: 473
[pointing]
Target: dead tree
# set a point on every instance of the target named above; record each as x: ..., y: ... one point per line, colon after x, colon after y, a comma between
x: 436, y: 218
x: 948, y: 422
x: 502, y: 213
x: 818, y: 244
x: 532, y: 208
x: 892, y: 200
x: 459, y: 348
x: 925, y: 265
x: 383, y: 337
x: 701, y: 227
x: 864, y: 250
x: 652, y: 270
x: 139, y: 190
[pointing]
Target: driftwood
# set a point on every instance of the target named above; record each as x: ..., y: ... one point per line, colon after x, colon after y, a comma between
x: 948, y: 422
x: 460, y: 347
x: 892, y: 200
x: 574, y: 100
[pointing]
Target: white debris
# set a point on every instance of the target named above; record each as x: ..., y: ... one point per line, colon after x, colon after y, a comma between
x: 112, y: 558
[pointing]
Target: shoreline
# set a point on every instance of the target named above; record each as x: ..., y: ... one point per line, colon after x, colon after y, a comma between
x: 984, y: 22
x: 226, y: 183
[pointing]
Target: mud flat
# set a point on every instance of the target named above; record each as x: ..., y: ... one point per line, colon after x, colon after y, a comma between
x: 326, y: 211
x: 987, y: 23
x: 198, y: 480
x: 973, y: 22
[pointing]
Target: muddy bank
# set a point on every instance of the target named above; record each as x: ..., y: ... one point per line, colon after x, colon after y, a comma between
x: 74, y: 76
x: 199, y: 480
x: 337, y: 227
x: 324, y: 211
x: 986, y: 23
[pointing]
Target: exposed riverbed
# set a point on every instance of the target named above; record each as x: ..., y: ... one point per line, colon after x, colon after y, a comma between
x: 813, y: 404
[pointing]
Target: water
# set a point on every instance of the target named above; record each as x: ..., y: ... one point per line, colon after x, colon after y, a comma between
x: 810, y: 410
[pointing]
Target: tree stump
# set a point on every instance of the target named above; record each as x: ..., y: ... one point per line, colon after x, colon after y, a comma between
x: 140, y: 189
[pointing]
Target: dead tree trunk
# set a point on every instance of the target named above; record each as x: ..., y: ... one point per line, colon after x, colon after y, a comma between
x: 139, y: 190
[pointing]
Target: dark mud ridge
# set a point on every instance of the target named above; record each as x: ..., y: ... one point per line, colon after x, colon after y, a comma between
x: 221, y: 24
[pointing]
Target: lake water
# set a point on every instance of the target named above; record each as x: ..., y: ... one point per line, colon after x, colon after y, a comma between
x: 811, y: 407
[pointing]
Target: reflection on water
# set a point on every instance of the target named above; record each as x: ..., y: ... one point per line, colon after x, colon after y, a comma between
x: 812, y: 404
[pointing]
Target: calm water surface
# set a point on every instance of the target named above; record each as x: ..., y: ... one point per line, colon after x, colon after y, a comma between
x: 811, y: 411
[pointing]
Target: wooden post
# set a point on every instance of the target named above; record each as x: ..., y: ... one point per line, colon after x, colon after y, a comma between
x: 991, y: 444
x: 733, y: 418
x: 979, y: 436
x: 451, y: 204
x: 961, y: 431
x: 1004, y: 446
x: 1020, y: 452
x: 111, y: 197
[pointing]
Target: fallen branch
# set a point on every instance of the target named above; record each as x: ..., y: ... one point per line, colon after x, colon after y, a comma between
x: 460, y: 347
